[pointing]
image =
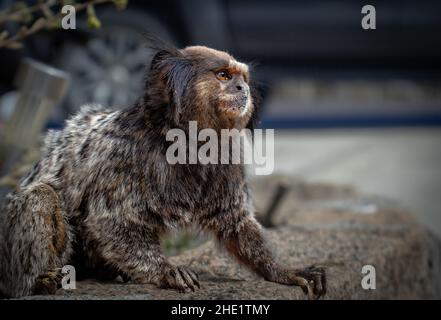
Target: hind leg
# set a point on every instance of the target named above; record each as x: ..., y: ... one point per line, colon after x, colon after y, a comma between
x: 37, y: 238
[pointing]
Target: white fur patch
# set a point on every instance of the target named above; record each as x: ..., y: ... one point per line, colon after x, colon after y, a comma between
x: 239, y: 65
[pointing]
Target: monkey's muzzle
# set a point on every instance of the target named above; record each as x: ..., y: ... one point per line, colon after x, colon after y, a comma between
x: 239, y: 102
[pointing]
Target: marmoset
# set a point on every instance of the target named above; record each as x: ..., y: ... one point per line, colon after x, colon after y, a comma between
x: 103, y: 193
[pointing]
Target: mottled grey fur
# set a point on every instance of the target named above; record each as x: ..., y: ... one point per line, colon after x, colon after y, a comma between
x: 103, y: 193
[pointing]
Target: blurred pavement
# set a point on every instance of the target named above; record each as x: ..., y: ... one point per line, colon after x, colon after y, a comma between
x: 403, y: 164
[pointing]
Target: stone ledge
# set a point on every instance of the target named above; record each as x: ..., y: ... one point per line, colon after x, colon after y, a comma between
x: 317, y: 224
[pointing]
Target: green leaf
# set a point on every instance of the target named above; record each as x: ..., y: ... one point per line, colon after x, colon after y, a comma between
x: 92, y: 20
x: 54, y: 24
x: 120, y: 4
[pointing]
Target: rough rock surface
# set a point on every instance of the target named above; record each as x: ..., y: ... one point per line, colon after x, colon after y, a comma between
x: 334, y: 227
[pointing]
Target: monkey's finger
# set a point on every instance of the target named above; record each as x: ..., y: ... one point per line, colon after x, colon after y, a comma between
x: 306, y: 287
x: 324, y: 283
x: 195, y: 277
x: 188, y: 280
x: 169, y: 280
x: 310, y: 268
x: 125, y: 278
x: 311, y: 295
x: 319, y: 278
x: 181, y: 284
x: 174, y: 280
x: 317, y: 285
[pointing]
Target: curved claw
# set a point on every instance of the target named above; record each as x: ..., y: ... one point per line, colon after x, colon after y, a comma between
x: 312, y: 280
x: 306, y: 287
x: 180, y: 278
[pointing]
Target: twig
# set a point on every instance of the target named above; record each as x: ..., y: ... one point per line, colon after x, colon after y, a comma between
x: 14, y: 42
x: 277, y: 198
x: 17, y: 16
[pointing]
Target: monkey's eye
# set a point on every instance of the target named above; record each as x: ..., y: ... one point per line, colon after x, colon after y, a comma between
x: 223, y: 75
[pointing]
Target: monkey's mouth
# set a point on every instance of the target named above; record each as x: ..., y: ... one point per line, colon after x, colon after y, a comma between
x: 236, y: 105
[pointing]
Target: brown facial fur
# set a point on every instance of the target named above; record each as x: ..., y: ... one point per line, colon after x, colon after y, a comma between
x: 202, y: 97
x: 213, y: 100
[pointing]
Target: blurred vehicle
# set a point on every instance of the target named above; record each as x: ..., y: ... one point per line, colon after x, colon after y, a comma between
x: 317, y: 39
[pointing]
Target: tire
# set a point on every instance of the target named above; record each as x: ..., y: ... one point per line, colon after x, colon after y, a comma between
x: 108, y: 67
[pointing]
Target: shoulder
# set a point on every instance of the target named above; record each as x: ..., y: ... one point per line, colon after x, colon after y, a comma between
x: 89, y: 114
x: 89, y: 119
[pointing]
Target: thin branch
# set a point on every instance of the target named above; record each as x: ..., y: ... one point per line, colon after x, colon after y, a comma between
x: 14, y: 41
x: 278, y: 196
x: 17, y: 16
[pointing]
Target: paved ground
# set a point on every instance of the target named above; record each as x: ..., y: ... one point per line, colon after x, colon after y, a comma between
x: 403, y: 164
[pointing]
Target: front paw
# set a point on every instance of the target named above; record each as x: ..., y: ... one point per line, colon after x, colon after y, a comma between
x: 181, y: 278
x: 49, y: 282
x: 312, y: 280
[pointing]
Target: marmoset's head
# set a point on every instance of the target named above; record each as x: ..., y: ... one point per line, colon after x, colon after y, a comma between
x: 200, y: 84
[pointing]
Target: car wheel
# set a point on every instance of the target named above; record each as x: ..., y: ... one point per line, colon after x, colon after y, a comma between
x: 109, y: 67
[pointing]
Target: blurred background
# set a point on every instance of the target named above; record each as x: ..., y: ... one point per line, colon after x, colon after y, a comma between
x: 350, y: 106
